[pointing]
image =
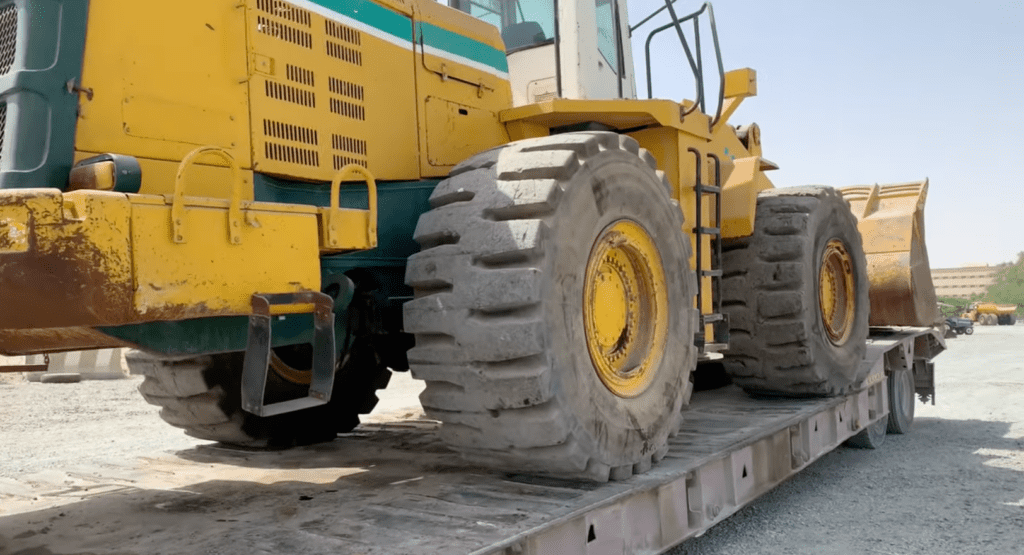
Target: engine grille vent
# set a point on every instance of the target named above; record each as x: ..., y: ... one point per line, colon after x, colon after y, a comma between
x: 3, y: 127
x: 291, y: 94
x: 348, y: 144
x: 344, y: 88
x: 344, y: 53
x: 348, y: 109
x: 300, y: 75
x: 291, y: 154
x: 8, y: 37
x: 285, y: 10
x: 342, y: 32
x: 290, y: 132
x: 284, y: 32
x: 342, y: 161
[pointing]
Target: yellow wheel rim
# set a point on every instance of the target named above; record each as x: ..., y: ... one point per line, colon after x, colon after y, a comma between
x: 289, y: 373
x: 836, y: 292
x: 625, y: 308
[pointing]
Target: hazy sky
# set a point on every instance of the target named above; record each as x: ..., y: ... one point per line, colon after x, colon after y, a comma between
x: 865, y: 92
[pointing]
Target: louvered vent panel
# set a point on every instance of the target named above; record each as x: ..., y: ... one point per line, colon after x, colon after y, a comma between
x: 284, y: 32
x: 292, y: 154
x: 315, y: 107
x: 348, y: 144
x: 289, y: 132
x: 300, y: 75
x: 344, y: 33
x: 285, y: 10
x: 342, y: 161
x: 342, y: 52
x: 3, y: 126
x: 291, y: 94
x: 348, y: 109
x: 345, y: 88
x: 8, y: 37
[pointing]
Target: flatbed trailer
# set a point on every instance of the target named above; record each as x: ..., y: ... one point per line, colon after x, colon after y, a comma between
x: 393, y: 487
x: 731, y: 449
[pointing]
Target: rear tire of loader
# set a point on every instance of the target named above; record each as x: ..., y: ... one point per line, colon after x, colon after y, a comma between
x: 202, y: 395
x: 796, y: 293
x: 503, y: 339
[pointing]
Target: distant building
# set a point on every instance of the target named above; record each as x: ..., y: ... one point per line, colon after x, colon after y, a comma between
x: 964, y: 281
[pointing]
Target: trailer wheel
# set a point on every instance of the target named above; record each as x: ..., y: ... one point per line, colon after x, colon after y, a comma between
x: 871, y: 437
x: 553, y: 308
x: 796, y: 293
x: 901, y: 401
x: 969, y: 330
x: 202, y: 395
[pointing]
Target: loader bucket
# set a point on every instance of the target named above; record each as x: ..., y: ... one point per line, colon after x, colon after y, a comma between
x: 891, y: 222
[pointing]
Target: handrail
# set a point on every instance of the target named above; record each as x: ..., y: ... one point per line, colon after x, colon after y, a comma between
x: 335, y: 210
x: 235, y: 208
x: 693, y: 57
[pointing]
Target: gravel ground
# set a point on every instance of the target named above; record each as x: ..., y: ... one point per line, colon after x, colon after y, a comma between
x: 955, y: 485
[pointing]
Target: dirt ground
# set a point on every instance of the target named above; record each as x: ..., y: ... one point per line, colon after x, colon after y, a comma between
x: 90, y: 468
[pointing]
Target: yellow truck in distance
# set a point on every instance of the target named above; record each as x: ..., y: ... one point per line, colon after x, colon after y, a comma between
x: 991, y: 314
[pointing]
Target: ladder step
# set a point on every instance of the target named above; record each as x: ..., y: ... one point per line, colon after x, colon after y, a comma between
x: 707, y: 230
x: 710, y: 318
x: 708, y: 189
x: 711, y: 273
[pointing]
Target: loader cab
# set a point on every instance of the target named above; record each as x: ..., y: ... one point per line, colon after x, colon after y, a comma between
x: 561, y: 48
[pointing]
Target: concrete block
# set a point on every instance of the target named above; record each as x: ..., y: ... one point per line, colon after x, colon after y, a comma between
x: 100, y: 364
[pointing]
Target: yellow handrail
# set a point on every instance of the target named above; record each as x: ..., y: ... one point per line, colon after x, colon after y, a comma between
x: 234, y: 210
x: 335, y: 210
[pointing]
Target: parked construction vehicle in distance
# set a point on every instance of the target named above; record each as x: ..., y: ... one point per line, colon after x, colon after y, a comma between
x: 991, y: 314
x: 301, y: 197
x: 959, y: 326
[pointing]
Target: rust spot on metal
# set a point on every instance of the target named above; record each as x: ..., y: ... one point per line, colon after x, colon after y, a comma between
x: 29, y: 342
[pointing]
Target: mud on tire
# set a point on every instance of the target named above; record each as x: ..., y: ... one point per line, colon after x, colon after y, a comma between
x: 498, y: 319
x: 779, y: 344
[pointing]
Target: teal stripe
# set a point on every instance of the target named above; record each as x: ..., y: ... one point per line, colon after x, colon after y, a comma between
x: 461, y: 45
x: 371, y: 14
x: 397, y: 25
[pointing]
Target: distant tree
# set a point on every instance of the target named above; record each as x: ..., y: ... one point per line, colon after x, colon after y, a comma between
x: 1008, y: 287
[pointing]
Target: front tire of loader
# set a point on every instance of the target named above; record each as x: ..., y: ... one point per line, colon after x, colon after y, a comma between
x: 202, y: 395
x: 796, y: 293
x: 553, y: 312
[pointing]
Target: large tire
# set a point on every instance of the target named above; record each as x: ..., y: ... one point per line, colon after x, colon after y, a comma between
x: 901, y: 401
x: 772, y: 289
x: 501, y: 338
x: 202, y: 395
x: 872, y: 437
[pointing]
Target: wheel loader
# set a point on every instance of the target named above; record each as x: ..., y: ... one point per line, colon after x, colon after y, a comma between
x: 278, y: 203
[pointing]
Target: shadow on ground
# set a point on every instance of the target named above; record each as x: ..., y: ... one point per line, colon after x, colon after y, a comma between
x: 393, y: 489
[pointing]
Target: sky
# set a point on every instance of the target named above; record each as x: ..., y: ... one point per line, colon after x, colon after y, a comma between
x: 854, y: 93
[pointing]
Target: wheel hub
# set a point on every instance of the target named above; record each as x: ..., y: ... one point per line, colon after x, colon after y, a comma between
x: 836, y: 292
x: 625, y: 308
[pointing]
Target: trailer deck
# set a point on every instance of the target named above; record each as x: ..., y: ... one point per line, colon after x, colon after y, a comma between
x: 393, y: 487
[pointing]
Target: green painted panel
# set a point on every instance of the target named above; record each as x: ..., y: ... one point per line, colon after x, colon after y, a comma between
x: 41, y: 114
x: 374, y: 15
x: 461, y: 45
x: 399, y: 206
